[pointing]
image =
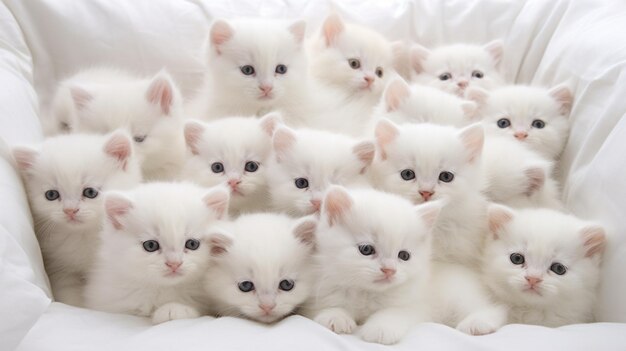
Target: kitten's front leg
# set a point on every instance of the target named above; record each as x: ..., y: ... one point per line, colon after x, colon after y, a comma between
x: 68, y: 288
x: 336, y: 319
x: 173, y: 310
x: 484, y: 321
x: 388, y: 326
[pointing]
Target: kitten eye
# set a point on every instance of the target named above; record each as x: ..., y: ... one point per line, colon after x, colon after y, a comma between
x: 504, y: 123
x: 217, y: 167
x: 379, y: 72
x: 538, y: 124
x: 478, y: 74
x: 281, y: 69
x: 404, y: 255
x: 246, y: 286
x: 139, y: 138
x: 90, y: 193
x: 517, y: 258
x: 558, y: 268
x: 286, y: 284
x: 367, y: 249
x: 407, y: 174
x: 247, y: 70
x: 302, y: 183
x: 52, y: 195
x: 151, y: 245
x: 354, y: 63
x: 446, y: 176
x: 445, y: 76
x: 192, y: 244
x: 251, y: 166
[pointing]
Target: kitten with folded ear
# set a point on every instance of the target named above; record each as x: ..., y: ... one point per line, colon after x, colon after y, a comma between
x: 543, y: 265
x: 64, y: 179
x: 154, y: 251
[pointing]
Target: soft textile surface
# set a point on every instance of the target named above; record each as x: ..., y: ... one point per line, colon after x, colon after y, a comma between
x: 546, y: 42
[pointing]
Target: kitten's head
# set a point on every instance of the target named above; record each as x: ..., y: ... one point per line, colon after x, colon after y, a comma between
x: 262, y: 265
x: 352, y: 58
x: 454, y: 68
x: 540, y: 257
x: 233, y: 151
x: 534, y: 116
x: 64, y: 177
x: 306, y: 162
x: 159, y: 230
x: 425, y: 162
x: 375, y: 240
x: 260, y: 61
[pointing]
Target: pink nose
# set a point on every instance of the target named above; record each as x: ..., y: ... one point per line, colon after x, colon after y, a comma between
x: 533, y: 280
x: 369, y: 80
x: 173, y: 265
x: 316, y: 203
x: 389, y: 272
x: 70, y: 211
x: 266, y: 89
x: 462, y: 83
x: 233, y: 183
x: 520, y: 135
x: 426, y: 195
x: 267, y: 308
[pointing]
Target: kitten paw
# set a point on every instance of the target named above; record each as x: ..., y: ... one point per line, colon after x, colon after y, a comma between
x: 381, y: 333
x: 477, y: 326
x: 336, y: 320
x: 173, y: 310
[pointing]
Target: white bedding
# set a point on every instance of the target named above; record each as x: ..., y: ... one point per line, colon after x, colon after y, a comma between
x: 546, y: 42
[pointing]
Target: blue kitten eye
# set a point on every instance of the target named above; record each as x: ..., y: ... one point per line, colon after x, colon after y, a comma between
x: 404, y: 255
x: 407, y: 174
x: 246, y: 286
x: 139, y: 138
x: 302, y: 183
x: 52, y: 195
x: 477, y: 74
x: 247, y: 70
x: 517, y: 258
x: 504, y: 123
x: 286, y: 284
x: 217, y: 167
x: 281, y: 69
x: 367, y: 249
x: 90, y: 193
x: 445, y: 76
x: 192, y: 244
x: 538, y: 124
x: 379, y: 72
x: 354, y: 63
x: 446, y: 176
x: 151, y: 245
x: 558, y: 268
x: 251, y: 166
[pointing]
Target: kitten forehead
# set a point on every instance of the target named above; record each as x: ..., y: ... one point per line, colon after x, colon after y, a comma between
x: 459, y: 57
x: 235, y: 138
x: 524, y: 101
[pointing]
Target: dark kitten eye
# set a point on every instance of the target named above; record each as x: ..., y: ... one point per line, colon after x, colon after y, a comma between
x: 246, y: 286
x: 302, y: 183
x: 286, y: 284
x: 354, y: 63
x: 65, y: 126
x: 446, y: 176
x: 192, y: 244
x: 151, y: 245
x: 251, y: 166
x: 558, y: 268
x: 477, y: 74
x: 367, y: 249
x: 247, y: 70
x: 538, y: 124
x: 517, y: 258
x: 445, y: 76
x: 281, y: 69
x: 504, y: 123
x: 404, y: 255
x: 52, y: 195
x: 407, y: 174
x: 379, y: 72
x: 217, y: 167
x: 139, y: 138
x: 90, y: 193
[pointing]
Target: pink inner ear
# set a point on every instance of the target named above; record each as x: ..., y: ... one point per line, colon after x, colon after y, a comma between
x: 81, y: 97
x: 563, y: 96
x: 119, y: 147
x: 298, y: 29
x: 495, y: 50
x: 24, y: 157
x: 333, y: 26
x: 395, y: 94
x: 429, y: 212
x: 536, y: 179
x: 218, y: 200
x: 305, y: 232
x: 386, y: 132
x: 473, y: 138
x: 419, y: 54
x: 270, y: 121
x: 365, y: 151
x: 161, y: 93
x: 221, y: 32
x: 336, y: 203
x: 595, y: 240
x: 193, y: 134
x: 219, y: 244
x: 116, y: 207
x: 470, y: 110
x: 498, y: 216
x: 478, y: 95
x: 284, y: 139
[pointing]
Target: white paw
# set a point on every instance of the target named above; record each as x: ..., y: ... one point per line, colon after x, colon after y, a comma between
x: 477, y: 326
x: 336, y: 320
x: 379, y: 332
x: 173, y: 310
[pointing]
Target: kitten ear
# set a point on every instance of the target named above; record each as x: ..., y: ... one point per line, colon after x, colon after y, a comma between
x: 498, y: 216
x: 332, y: 27
x: 477, y: 95
x: 365, y: 151
x: 495, y: 50
x: 220, y: 33
x: 80, y: 96
x: 473, y: 137
x: 594, y: 240
x: 536, y: 179
x: 418, y: 55
x: 563, y: 96
x: 401, y: 58
x: 337, y: 202
x: 219, y: 244
x: 119, y: 146
x: 470, y: 109
x: 283, y: 141
x: 217, y: 200
x: 429, y: 212
x: 24, y: 157
x: 386, y: 132
x: 270, y: 122
x: 193, y: 133
x: 395, y: 94
x: 116, y: 206
x: 161, y: 91
x: 298, y: 29
x: 304, y: 231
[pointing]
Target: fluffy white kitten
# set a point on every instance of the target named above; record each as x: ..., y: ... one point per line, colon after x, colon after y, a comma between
x: 305, y: 162
x: 64, y: 178
x: 373, y: 264
x: 234, y: 151
x: 543, y: 264
x: 455, y: 68
x: 425, y: 162
x: 155, y: 250
x: 101, y: 100
x: 537, y: 117
x: 261, y: 266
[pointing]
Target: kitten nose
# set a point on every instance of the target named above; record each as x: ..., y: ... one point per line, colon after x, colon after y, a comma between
x: 70, y: 211
x: 265, y: 88
x: 233, y: 183
x: 316, y: 203
x: 462, y: 84
x: 389, y: 272
x: 173, y: 265
x: 520, y: 135
x: 533, y: 280
x: 267, y: 307
x: 369, y: 80
x: 426, y: 195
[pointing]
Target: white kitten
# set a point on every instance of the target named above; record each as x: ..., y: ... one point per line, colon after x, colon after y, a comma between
x: 64, y: 178
x: 153, y: 252
x: 534, y: 116
x: 373, y: 264
x: 455, y: 68
x: 234, y: 151
x: 261, y: 266
x: 101, y: 100
x: 425, y: 162
x: 543, y: 264
x: 305, y: 162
